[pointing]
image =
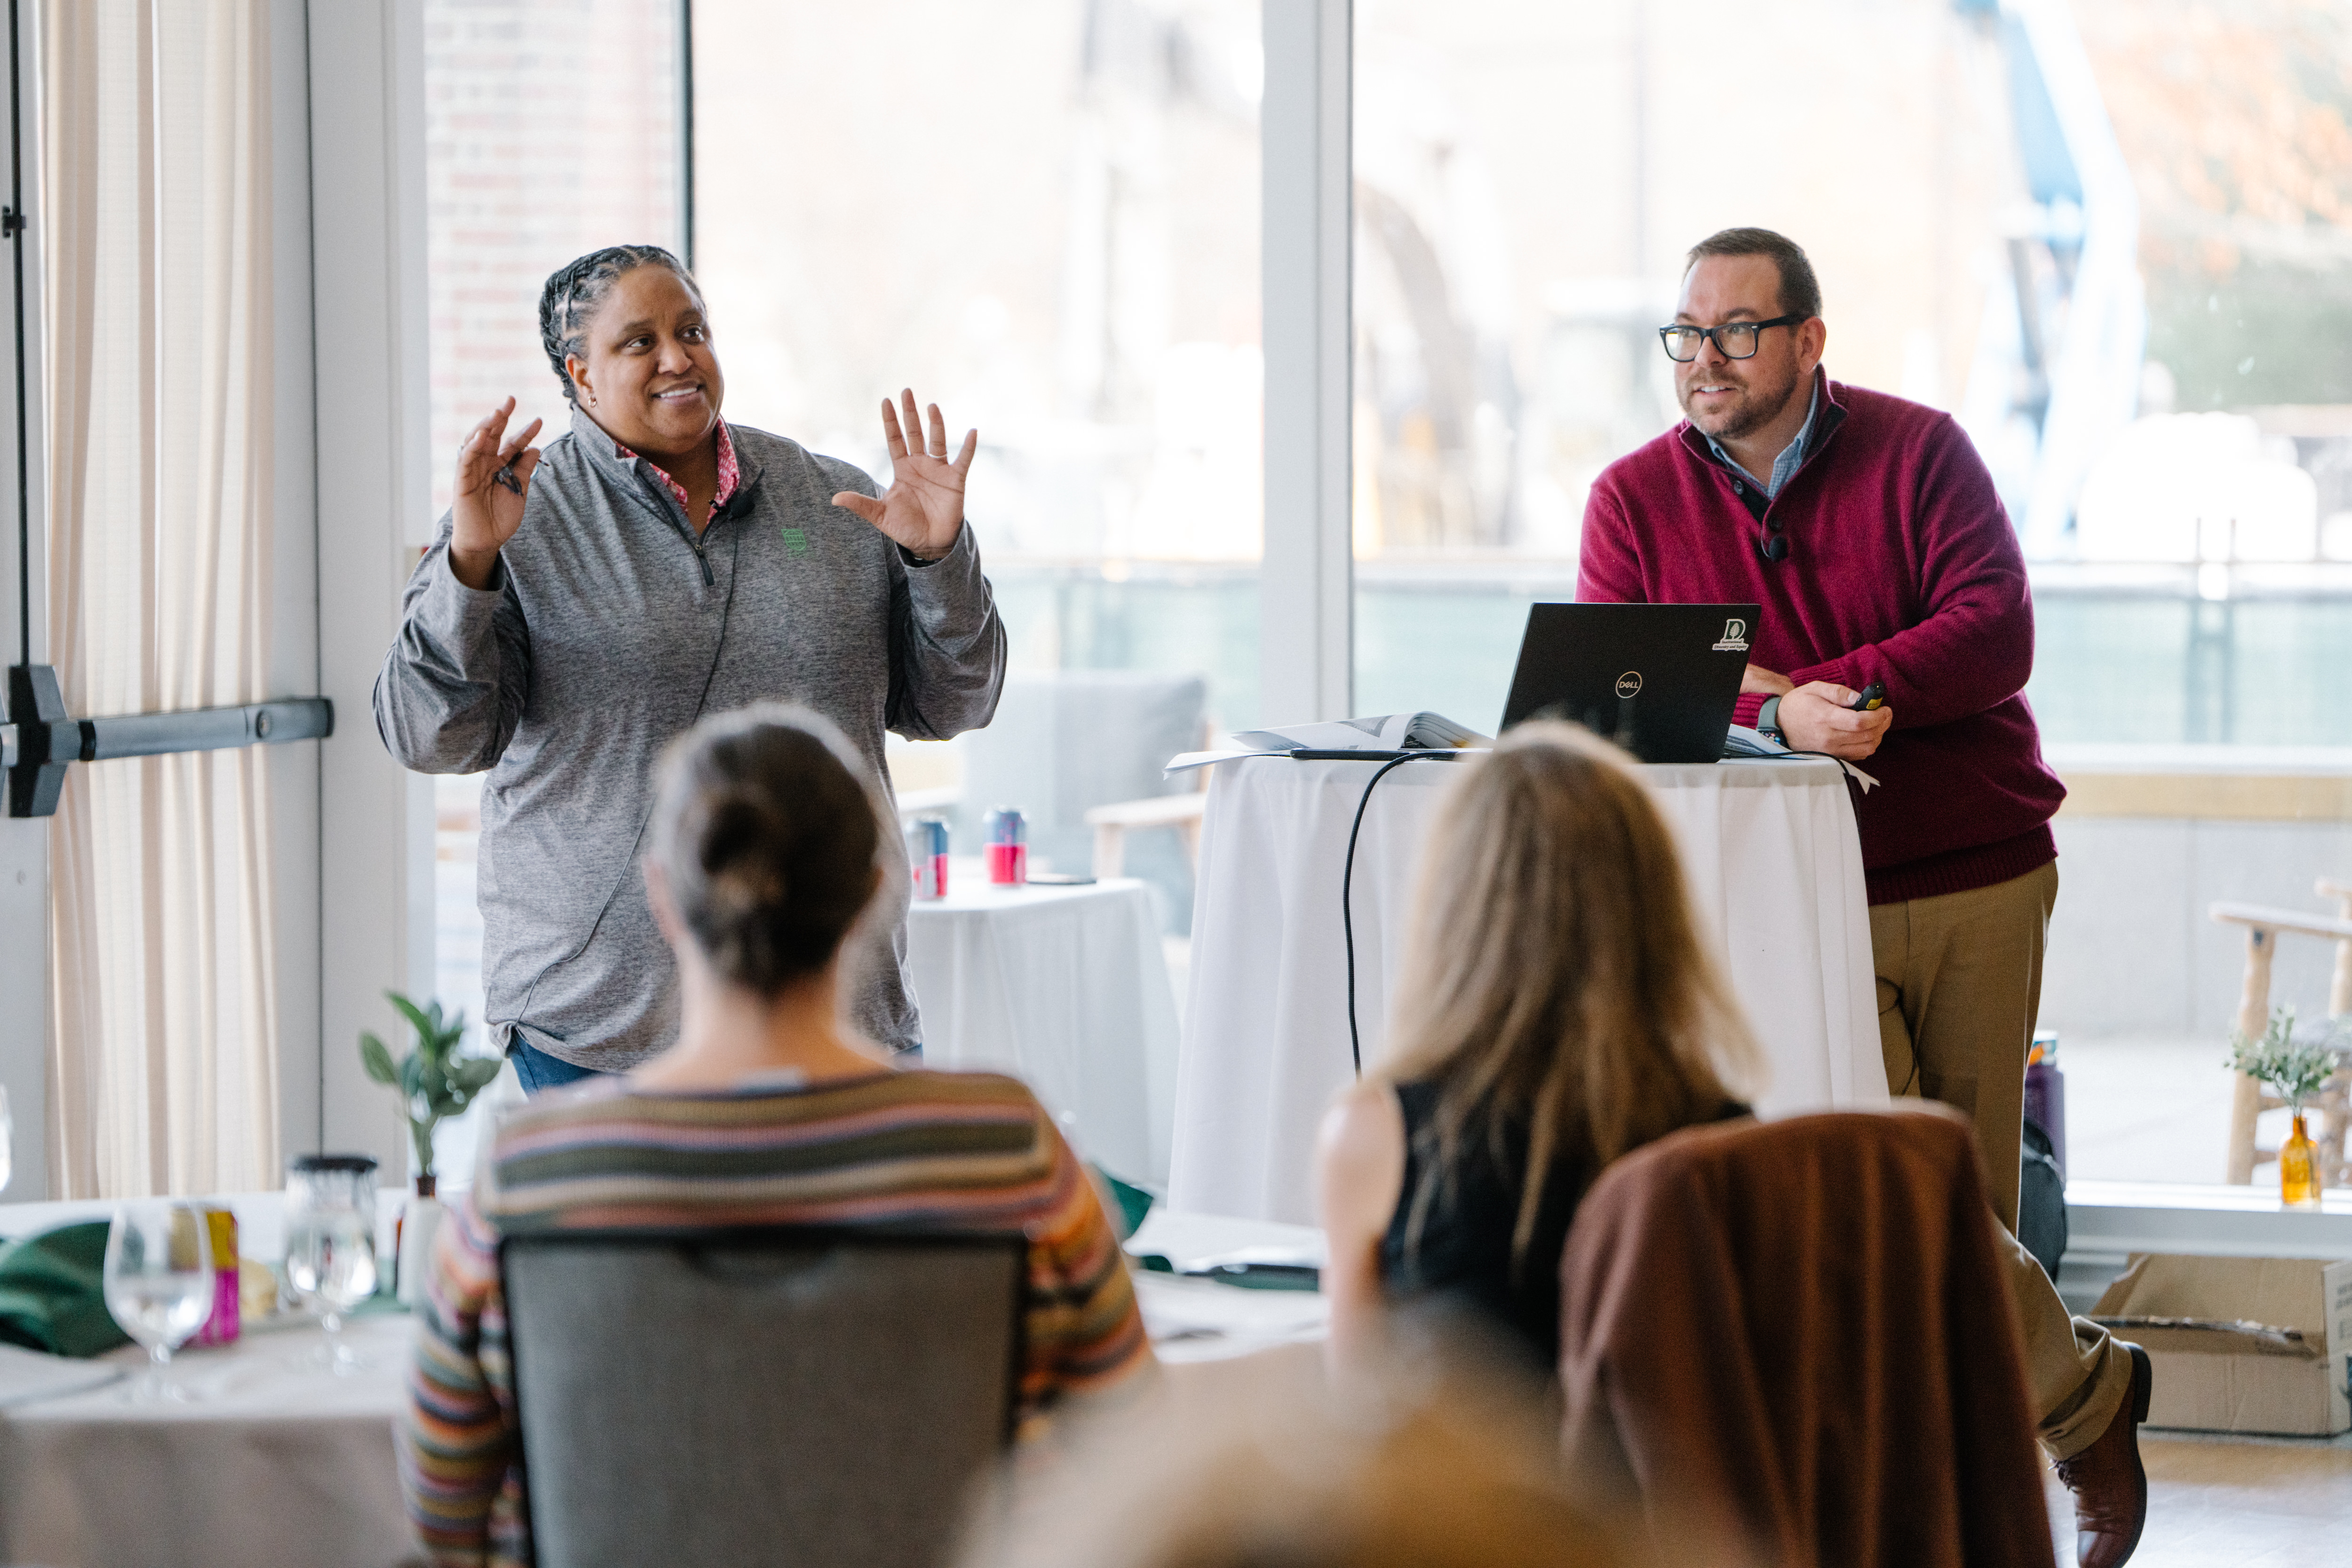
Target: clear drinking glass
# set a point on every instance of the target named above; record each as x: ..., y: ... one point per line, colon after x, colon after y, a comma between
x: 7, y: 1140
x: 159, y: 1284
x: 330, y: 1261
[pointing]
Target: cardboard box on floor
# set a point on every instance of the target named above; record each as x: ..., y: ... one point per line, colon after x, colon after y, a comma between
x: 2240, y: 1344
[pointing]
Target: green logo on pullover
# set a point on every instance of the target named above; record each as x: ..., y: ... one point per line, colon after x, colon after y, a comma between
x: 795, y: 541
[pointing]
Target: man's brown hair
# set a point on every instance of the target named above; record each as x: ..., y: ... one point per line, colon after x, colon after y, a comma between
x: 1800, y: 291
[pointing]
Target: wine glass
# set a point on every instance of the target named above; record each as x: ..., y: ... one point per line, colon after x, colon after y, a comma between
x: 331, y: 1246
x: 159, y: 1283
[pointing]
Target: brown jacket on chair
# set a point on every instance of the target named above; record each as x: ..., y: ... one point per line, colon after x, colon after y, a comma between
x: 1794, y: 1342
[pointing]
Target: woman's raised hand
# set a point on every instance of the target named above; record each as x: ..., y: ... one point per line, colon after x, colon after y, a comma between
x: 923, y: 507
x: 485, y: 505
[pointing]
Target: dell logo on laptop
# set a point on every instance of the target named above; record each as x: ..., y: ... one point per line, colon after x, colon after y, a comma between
x: 1735, y: 637
x: 1629, y: 683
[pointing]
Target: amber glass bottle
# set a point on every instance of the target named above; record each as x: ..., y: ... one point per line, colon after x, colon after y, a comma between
x: 2299, y: 1169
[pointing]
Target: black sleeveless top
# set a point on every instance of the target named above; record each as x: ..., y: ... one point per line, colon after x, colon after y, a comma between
x: 1464, y: 1258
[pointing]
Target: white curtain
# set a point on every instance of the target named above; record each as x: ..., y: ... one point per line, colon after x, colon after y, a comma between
x: 157, y: 244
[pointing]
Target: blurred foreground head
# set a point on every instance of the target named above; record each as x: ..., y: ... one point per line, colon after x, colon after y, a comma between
x: 1257, y: 1463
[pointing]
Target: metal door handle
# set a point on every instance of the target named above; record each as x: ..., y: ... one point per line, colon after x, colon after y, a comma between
x: 43, y: 740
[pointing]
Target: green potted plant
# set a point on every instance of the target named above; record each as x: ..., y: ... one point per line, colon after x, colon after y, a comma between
x: 435, y: 1083
x: 2293, y: 1070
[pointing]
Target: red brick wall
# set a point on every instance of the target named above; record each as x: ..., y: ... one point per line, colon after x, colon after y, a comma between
x: 551, y: 128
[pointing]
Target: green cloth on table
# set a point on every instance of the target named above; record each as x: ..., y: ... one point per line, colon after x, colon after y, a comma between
x: 1133, y: 1202
x: 53, y: 1292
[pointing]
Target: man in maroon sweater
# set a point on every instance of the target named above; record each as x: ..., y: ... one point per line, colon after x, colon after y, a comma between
x: 1869, y: 532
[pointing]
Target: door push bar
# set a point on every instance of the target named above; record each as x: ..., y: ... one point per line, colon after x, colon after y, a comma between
x: 40, y: 741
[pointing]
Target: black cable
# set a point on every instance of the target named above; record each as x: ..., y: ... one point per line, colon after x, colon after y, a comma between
x: 1347, y: 884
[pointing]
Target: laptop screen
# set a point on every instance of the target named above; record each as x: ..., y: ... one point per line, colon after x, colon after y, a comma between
x: 1658, y: 679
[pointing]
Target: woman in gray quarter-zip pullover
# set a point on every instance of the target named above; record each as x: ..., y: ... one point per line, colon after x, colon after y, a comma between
x: 584, y: 605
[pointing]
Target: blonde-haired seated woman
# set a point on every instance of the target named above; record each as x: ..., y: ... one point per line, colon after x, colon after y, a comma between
x: 1555, y: 1009
x: 766, y: 854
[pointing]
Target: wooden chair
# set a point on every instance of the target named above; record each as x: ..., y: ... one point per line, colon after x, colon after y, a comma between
x: 2334, y: 1103
x: 1183, y: 812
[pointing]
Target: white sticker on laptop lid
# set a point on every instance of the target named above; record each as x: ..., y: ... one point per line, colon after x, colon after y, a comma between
x: 1735, y: 637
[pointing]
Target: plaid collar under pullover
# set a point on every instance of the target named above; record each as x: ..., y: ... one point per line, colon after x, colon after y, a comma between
x: 730, y: 472
x: 1786, y: 463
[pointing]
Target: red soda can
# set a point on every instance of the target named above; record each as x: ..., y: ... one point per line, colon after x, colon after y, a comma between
x: 1008, y: 847
x: 927, y: 856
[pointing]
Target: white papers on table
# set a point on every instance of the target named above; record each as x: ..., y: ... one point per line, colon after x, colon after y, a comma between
x: 1200, y: 1319
x: 1743, y: 742
x: 1383, y: 732
x: 1194, y: 1242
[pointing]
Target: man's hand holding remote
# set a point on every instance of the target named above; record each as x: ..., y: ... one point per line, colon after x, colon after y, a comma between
x: 1819, y: 716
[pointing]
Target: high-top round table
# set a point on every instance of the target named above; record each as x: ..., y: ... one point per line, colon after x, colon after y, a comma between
x: 1066, y: 987
x: 1774, y: 873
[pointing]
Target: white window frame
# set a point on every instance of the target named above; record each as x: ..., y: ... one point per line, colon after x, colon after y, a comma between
x: 24, y: 842
x: 1306, y: 583
x: 1306, y: 587
x: 375, y: 822
x: 342, y: 931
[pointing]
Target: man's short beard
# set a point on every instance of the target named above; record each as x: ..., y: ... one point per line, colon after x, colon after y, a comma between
x: 1753, y: 415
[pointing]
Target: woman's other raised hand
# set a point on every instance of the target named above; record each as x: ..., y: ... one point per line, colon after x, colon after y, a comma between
x: 485, y: 506
x: 923, y: 509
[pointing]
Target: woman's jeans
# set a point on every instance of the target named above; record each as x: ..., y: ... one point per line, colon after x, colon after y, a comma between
x: 539, y: 1070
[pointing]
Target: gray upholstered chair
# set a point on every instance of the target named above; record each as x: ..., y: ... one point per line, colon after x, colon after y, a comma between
x: 769, y: 1397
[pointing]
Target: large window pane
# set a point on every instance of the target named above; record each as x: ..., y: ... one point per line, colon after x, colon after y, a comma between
x: 551, y: 129
x: 1043, y: 216
x: 2113, y: 238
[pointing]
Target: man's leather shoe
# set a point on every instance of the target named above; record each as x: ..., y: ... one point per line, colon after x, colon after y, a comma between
x: 2109, y: 1485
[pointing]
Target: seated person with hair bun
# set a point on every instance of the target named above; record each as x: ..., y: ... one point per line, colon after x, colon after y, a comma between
x: 766, y: 853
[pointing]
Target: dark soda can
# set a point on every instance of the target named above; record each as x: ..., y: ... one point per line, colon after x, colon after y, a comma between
x: 926, y: 855
x: 1008, y: 847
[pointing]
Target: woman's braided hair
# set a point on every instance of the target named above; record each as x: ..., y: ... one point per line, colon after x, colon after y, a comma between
x: 573, y: 292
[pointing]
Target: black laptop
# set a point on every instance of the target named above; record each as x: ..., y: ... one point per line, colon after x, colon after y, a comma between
x: 1658, y: 679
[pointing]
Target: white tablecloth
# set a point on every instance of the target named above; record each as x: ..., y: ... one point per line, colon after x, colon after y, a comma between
x: 1065, y: 987
x: 275, y: 1465
x: 272, y: 1466
x: 1774, y: 873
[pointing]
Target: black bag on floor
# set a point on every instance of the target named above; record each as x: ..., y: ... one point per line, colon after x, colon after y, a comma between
x: 2041, y: 1200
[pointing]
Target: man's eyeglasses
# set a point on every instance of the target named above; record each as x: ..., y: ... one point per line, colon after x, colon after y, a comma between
x: 1736, y: 339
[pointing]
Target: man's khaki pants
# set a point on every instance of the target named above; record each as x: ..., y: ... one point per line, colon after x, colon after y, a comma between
x: 1960, y: 984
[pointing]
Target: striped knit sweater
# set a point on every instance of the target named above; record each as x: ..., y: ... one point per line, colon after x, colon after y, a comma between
x: 945, y: 1150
